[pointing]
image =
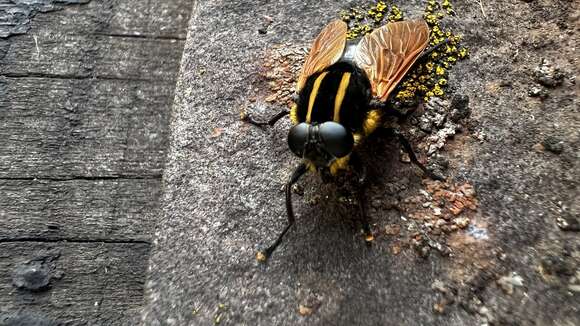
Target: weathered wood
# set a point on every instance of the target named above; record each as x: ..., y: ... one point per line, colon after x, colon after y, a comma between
x: 107, y: 210
x: 15, y: 16
x: 85, y: 95
x: 155, y: 19
x: 89, y: 283
x: 61, y: 128
x: 74, y: 56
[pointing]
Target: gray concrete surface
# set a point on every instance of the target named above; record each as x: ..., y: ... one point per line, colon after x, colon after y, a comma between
x: 517, y: 265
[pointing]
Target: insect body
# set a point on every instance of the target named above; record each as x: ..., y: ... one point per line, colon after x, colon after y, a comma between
x: 334, y: 104
x: 341, y: 95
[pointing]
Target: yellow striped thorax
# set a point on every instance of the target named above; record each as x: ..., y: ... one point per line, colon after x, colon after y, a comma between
x: 339, y: 94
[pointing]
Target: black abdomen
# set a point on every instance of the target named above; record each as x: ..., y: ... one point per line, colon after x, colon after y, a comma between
x: 321, y: 91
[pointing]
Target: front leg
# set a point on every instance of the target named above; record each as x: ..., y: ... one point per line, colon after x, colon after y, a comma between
x: 430, y: 50
x: 271, y: 122
x: 361, y: 183
x: 298, y: 172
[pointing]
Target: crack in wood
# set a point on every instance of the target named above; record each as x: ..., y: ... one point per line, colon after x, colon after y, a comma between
x: 86, y: 178
x: 73, y: 240
x: 143, y: 36
x: 77, y: 77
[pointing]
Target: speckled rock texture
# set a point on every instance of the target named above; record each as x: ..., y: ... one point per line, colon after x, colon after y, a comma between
x: 515, y: 264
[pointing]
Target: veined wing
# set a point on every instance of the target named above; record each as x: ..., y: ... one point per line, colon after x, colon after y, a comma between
x: 389, y: 52
x: 326, y: 50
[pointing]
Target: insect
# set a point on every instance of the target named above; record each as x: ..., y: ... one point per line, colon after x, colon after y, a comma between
x: 340, y: 100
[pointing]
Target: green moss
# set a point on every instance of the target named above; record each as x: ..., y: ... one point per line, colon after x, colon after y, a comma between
x: 428, y: 78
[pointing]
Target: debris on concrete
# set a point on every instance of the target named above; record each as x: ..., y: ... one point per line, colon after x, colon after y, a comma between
x: 304, y: 310
x: 508, y: 282
x: 265, y: 22
x: 538, y: 91
x: 553, y: 144
x: 547, y: 74
x: 568, y: 223
x: 436, y: 123
x: 438, y: 211
x: 459, y: 108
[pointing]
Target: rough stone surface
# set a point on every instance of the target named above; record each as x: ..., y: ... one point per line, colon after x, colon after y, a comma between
x: 223, y: 200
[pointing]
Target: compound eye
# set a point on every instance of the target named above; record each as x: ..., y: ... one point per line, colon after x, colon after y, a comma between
x: 297, y: 138
x: 336, y: 139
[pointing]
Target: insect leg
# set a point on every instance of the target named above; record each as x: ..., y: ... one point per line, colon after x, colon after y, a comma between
x: 298, y: 172
x: 248, y: 118
x: 428, y: 51
x: 407, y: 147
x: 389, y: 111
x: 360, y: 194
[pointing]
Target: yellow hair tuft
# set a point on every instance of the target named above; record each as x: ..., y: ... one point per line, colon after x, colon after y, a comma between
x: 357, y: 138
x: 372, y: 121
x: 311, y: 166
x: 339, y: 164
x: 294, y: 114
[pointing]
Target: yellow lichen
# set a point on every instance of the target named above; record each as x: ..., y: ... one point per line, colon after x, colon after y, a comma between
x: 428, y: 78
x: 362, y: 20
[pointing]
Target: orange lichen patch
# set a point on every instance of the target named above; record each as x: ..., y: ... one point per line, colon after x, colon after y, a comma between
x: 456, y: 198
x: 281, y: 67
x: 439, y: 211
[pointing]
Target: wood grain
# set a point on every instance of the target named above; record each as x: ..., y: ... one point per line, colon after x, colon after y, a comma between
x: 86, y: 89
x: 90, y: 283
x: 62, y: 128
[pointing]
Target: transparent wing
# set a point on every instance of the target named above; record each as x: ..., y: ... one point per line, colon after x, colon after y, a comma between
x: 389, y: 52
x: 326, y: 50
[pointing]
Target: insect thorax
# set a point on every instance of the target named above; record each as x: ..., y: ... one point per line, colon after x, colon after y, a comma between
x: 339, y: 93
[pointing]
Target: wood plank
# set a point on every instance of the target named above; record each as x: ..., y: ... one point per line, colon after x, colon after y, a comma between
x: 62, y: 128
x: 15, y: 16
x: 90, y: 283
x: 85, y: 96
x: 154, y: 19
x: 75, y: 210
x: 82, y: 56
